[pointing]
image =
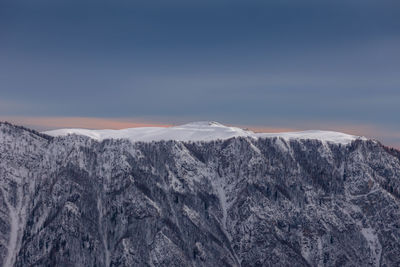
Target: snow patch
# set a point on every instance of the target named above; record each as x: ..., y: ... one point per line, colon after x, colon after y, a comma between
x: 15, y: 225
x: 107, y: 253
x: 192, y: 215
x: 219, y: 189
x: 71, y: 207
x: 373, y: 243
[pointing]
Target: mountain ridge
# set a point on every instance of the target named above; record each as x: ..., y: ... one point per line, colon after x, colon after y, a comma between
x: 200, y: 131
x: 237, y: 202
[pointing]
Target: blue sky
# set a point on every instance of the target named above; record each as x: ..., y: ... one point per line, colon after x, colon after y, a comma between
x: 294, y: 64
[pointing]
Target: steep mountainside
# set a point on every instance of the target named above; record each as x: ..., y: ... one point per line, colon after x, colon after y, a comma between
x: 244, y: 201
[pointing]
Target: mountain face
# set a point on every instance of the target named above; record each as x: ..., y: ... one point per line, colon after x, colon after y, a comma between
x: 268, y: 201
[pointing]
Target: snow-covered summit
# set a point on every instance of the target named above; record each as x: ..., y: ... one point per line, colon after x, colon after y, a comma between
x: 199, y: 131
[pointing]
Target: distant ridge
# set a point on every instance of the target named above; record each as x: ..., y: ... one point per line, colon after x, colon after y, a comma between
x: 201, y: 131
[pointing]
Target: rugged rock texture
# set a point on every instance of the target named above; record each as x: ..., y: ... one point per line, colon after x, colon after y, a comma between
x: 73, y: 201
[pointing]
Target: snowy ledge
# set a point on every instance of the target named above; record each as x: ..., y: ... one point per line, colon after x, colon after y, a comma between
x: 201, y: 131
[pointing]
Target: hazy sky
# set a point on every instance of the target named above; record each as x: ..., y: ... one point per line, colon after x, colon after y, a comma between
x: 281, y: 63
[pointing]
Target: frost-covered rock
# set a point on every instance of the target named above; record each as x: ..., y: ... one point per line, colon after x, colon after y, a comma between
x: 243, y: 201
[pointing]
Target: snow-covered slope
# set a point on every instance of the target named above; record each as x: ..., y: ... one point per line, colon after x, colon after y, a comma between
x: 199, y: 131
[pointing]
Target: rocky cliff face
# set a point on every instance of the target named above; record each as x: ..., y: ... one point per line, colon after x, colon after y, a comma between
x: 74, y: 201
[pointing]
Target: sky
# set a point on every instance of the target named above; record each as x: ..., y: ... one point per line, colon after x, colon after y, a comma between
x: 287, y: 64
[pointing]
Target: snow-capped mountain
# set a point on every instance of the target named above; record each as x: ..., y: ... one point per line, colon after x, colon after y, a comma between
x: 199, y: 131
x: 200, y: 194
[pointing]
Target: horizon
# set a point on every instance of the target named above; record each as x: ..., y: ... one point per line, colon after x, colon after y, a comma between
x: 275, y: 65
